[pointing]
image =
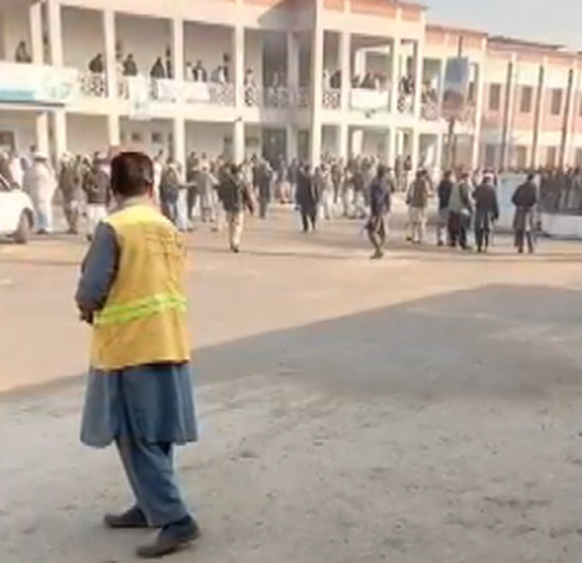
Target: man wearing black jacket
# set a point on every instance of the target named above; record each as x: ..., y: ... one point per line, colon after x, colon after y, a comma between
x: 235, y: 195
x: 486, y: 212
x: 307, y: 198
x: 525, y: 200
x: 444, y: 195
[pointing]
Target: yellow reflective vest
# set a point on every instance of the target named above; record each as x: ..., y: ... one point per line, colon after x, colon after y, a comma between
x: 144, y: 318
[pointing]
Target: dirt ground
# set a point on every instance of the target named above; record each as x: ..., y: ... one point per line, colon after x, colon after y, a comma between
x: 422, y: 409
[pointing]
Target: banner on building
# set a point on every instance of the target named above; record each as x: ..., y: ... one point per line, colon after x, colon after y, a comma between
x: 139, y: 95
x: 37, y: 84
x: 456, y: 88
x: 369, y: 100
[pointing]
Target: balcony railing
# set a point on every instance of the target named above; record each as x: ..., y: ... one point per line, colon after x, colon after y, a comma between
x: 405, y: 103
x: 211, y: 93
x: 332, y: 98
x: 93, y: 85
x: 276, y: 97
x: 370, y: 101
x: 430, y: 110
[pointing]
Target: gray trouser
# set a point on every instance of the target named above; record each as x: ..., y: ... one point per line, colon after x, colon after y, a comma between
x: 150, y: 470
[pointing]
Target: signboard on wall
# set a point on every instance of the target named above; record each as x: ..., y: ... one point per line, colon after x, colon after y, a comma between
x: 37, y: 84
x: 456, y: 88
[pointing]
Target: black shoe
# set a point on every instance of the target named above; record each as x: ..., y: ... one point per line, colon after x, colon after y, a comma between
x: 131, y: 519
x: 235, y: 249
x: 378, y: 255
x: 171, y: 538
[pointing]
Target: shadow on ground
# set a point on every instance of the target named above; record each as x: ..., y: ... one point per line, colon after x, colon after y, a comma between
x: 496, y: 340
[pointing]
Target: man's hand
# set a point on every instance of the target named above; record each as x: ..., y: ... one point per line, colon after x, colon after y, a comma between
x: 86, y: 316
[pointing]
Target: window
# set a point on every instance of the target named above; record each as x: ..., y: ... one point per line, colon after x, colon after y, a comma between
x: 557, y: 95
x: 579, y: 157
x: 494, y: 97
x: 471, y: 92
x: 490, y: 156
x: 525, y: 104
x: 551, y: 156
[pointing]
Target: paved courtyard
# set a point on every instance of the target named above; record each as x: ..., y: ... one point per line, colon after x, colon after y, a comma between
x: 427, y: 408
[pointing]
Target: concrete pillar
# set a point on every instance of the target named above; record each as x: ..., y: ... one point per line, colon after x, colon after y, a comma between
x: 317, y: 86
x: 508, y: 113
x: 418, y: 63
x: 42, y: 132
x: 239, y: 65
x: 55, y: 32
x: 37, y: 46
x: 360, y: 62
x: 292, y: 134
x: 239, y: 141
x: 113, y: 130
x: 292, y: 61
x: 60, y: 133
x: 346, y: 71
x: 439, y: 151
x: 178, y: 49
x: 179, y: 143
x: 567, y: 156
x: 539, y: 111
x: 391, y: 147
x: 357, y: 142
x: 110, y: 55
x: 343, y: 134
x: 395, y: 74
x: 415, y: 149
x: 479, y: 95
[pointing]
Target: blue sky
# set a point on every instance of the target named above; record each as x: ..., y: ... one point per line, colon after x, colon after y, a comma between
x: 556, y: 21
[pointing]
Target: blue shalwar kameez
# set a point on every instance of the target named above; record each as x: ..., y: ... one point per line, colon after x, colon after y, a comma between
x: 146, y: 410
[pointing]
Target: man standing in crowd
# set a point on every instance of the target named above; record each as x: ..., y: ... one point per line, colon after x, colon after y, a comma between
x: 525, y: 200
x: 307, y: 199
x: 96, y: 189
x: 460, y: 212
x: 235, y: 195
x: 486, y: 212
x: 444, y: 190
x: 377, y: 226
x: 170, y: 193
x: 70, y: 188
x: 139, y: 393
x: 264, y: 179
x: 418, y: 197
x: 41, y: 184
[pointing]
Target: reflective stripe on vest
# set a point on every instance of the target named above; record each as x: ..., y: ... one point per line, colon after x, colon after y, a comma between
x: 141, y: 308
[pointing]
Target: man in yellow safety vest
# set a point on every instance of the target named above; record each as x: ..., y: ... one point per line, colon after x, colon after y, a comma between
x: 139, y: 393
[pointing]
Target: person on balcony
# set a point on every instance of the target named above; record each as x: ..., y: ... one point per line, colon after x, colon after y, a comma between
x: 97, y: 65
x: 199, y: 73
x: 158, y: 71
x: 130, y: 66
x: 169, y: 65
x: 219, y: 75
x: 22, y: 55
x: 335, y: 80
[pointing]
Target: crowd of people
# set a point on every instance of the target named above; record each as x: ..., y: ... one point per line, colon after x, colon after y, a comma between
x: 216, y: 192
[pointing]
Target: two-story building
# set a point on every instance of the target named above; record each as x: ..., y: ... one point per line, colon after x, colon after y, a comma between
x: 278, y: 77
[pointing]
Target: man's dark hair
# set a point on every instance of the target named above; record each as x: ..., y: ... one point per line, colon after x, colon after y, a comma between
x: 381, y: 171
x: 531, y: 177
x: 132, y: 174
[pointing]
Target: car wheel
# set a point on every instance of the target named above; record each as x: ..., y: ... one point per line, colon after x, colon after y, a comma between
x: 24, y: 227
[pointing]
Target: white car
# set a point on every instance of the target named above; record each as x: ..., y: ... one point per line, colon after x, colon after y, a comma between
x: 16, y: 212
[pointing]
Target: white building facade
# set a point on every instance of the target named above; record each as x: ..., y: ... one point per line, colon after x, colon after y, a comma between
x: 288, y: 86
